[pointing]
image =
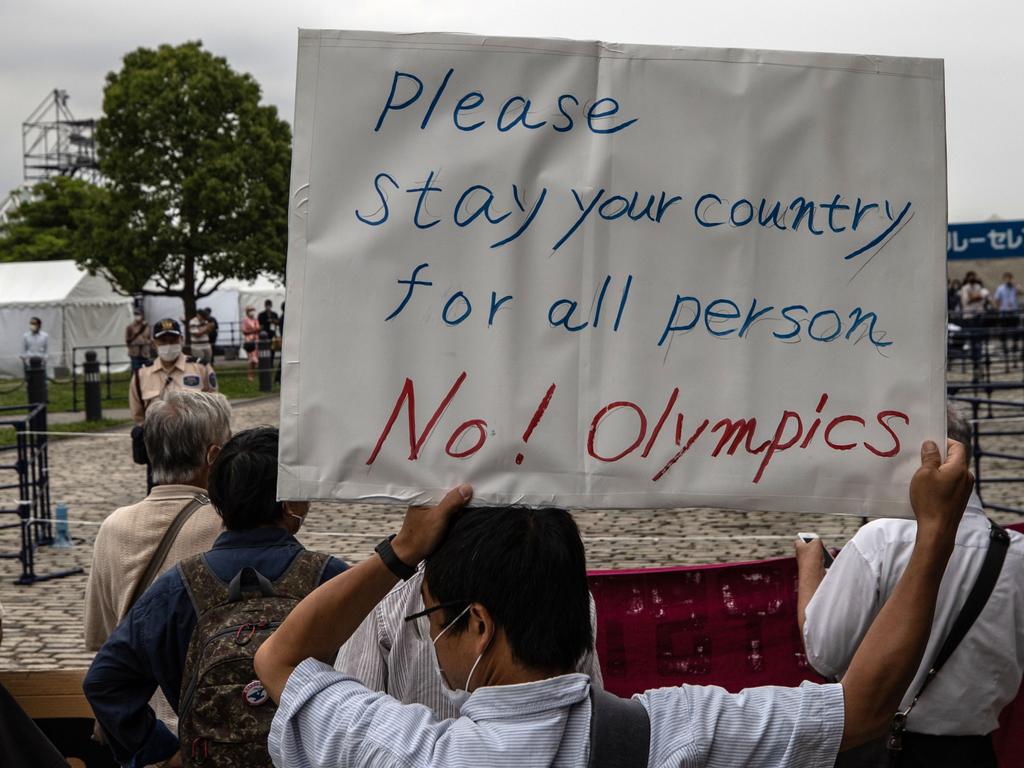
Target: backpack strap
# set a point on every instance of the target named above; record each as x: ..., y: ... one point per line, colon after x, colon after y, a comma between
x: 620, y: 731
x: 204, y: 587
x: 164, y: 547
x: 303, y: 574
x: 999, y: 543
x: 249, y: 574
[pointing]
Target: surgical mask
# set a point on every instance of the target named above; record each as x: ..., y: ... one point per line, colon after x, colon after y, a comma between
x: 456, y: 696
x: 169, y: 352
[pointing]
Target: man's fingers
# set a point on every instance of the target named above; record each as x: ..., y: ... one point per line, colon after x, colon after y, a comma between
x: 956, y: 455
x: 930, y: 456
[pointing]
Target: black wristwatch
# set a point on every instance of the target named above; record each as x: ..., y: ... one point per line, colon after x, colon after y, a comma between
x: 392, y: 561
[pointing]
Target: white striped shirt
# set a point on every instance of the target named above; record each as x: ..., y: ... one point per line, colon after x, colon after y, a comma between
x: 396, y: 657
x: 329, y: 720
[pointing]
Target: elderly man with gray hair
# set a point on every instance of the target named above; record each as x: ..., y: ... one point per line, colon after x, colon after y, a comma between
x: 135, y: 544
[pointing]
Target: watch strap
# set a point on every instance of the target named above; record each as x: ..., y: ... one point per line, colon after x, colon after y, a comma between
x: 402, y: 570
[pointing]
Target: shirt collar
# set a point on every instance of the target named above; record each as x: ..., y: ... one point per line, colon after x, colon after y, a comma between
x: 256, y: 537
x: 499, y: 702
x: 171, y: 491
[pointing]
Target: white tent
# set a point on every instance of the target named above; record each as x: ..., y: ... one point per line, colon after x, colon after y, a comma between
x: 77, y: 310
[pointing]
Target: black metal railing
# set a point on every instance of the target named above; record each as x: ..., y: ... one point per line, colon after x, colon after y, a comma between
x: 25, y: 464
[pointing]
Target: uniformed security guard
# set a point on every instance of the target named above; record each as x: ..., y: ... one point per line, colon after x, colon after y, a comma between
x: 171, y: 371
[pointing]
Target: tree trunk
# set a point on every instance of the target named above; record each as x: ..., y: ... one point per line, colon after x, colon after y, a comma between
x: 188, y: 295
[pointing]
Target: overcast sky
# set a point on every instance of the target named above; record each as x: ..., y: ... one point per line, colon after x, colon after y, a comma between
x: 72, y: 45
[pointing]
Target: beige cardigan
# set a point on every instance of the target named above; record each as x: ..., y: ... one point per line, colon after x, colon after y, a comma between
x: 125, y: 544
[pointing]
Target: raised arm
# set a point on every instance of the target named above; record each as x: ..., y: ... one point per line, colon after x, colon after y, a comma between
x: 329, y: 615
x: 810, y: 570
x: 890, y: 654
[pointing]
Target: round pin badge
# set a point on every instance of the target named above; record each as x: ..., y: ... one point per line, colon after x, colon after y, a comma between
x: 255, y: 694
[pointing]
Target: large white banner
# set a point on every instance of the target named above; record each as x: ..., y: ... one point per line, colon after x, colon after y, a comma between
x: 596, y: 275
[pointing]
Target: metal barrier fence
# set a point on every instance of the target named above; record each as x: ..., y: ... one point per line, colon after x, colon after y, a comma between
x: 985, y: 343
x: 28, y: 460
x: 996, y: 415
x: 78, y: 354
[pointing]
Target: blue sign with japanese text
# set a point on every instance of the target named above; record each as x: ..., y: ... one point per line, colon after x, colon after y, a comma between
x: 987, y: 240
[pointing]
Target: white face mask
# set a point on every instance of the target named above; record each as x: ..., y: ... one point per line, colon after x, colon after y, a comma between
x: 456, y: 696
x: 169, y: 352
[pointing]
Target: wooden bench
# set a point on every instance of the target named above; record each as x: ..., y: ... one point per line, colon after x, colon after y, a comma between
x: 50, y: 694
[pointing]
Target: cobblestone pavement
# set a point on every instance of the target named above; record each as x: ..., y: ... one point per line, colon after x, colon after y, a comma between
x: 94, y: 474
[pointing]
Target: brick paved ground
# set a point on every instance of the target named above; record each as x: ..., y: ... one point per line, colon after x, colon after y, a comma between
x: 94, y: 474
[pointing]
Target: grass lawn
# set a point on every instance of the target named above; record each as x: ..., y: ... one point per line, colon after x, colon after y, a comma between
x: 232, y: 380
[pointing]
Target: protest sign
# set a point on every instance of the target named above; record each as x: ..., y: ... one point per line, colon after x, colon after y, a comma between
x: 594, y: 275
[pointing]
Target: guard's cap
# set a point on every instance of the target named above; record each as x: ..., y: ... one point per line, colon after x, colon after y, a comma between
x: 166, y: 327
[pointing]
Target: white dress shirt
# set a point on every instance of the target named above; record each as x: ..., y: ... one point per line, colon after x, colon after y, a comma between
x: 396, y: 657
x: 35, y: 345
x: 982, y: 675
x: 328, y: 720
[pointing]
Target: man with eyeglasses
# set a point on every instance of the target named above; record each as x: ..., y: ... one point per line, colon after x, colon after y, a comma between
x: 393, y: 654
x: 505, y: 596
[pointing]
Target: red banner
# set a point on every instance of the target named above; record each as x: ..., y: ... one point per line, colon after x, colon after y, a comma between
x: 732, y: 625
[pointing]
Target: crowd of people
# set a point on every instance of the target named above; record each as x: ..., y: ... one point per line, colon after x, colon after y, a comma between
x: 204, y: 332
x: 976, y: 313
x: 468, y: 638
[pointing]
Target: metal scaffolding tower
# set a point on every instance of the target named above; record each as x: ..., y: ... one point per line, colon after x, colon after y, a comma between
x: 54, y: 143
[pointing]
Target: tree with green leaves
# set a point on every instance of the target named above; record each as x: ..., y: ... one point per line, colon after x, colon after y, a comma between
x: 44, y: 225
x: 196, y: 177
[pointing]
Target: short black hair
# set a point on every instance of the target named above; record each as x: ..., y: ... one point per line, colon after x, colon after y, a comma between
x: 243, y: 480
x: 528, y: 568
x: 35, y: 320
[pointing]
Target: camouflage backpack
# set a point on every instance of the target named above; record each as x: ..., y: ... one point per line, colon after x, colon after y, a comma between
x: 224, y: 713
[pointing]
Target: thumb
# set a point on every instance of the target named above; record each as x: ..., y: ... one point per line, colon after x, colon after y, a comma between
x: 930, y: 456
x: 455, y: 498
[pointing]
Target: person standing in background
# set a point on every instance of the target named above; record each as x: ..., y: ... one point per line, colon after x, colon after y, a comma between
x: 199, y: 331
x: 35, y: 342
x: 250, y: 335
x: 173, y: 371
x: 1008, y: 304
x: 214, y: 328
x: 138, y: 340
x: 269, y: 319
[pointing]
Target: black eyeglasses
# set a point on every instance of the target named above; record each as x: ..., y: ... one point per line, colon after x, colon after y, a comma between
x: 438, y: 607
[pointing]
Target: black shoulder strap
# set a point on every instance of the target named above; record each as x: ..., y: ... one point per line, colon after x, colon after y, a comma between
x: 153, y: 568
x: 999, y: 543
x: 620, y: 731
